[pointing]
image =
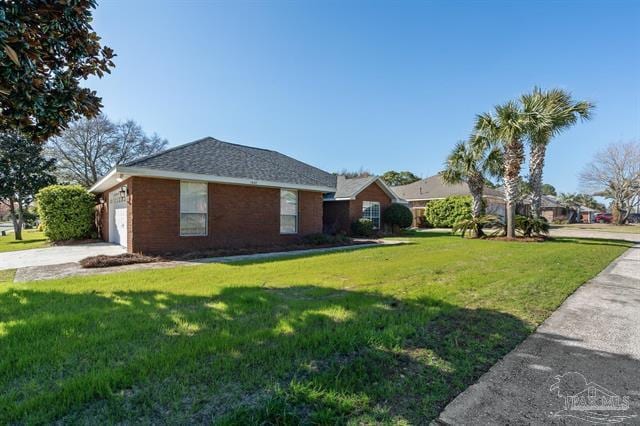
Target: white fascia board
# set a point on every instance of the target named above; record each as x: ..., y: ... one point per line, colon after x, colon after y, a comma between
x: 110, y: 180
x: 340, y: 199
x: 106, y: 182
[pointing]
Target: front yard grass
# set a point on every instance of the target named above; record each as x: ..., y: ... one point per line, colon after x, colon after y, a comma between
x: 30, y: 240
x: 386, y: 334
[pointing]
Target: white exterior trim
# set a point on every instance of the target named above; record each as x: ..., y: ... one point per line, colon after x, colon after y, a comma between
x: 120, y: 173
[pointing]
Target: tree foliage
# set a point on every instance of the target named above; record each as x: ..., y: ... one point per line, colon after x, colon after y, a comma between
x: 534, y: 118
x: 614, y: 173
x: 23, y: 171
x: 548, y: 189
x: 447, y: 212
x: 550, y: 112
x: 46, y: 48
x: 394, y: 178
x: 89, y: 148
x: 476, y: 225
x: 530, y: 226
x: 67, y: 212
x: 473, y: 162
x: 350, y: 174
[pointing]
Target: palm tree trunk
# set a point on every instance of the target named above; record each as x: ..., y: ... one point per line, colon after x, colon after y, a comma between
x: 536, y: 166
x: 513, y: 157
x: 476, y: 187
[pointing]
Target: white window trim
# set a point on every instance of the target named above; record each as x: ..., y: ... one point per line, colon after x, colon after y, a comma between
x: 379, y: 213
x: 206, y: 221
x: 297, y: 212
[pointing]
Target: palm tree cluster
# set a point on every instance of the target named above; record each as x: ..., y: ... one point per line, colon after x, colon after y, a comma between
x: 503, y: 134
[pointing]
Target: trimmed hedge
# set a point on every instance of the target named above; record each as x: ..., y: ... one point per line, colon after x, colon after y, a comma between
x: 398, y: 215
x: 66, y: 212
x: 446, y: 213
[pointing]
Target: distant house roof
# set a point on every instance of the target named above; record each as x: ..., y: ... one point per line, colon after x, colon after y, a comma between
x: 349, y: 188
x: 549, y: 201
x: 213, y: 160
x: 434, y: 187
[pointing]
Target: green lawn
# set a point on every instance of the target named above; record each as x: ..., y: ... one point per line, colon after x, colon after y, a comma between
x: 387, y: 334
x: 30, y: 240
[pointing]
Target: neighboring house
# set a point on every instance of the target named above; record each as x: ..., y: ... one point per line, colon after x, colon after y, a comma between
x: 211, y: 194
x: 420, y: 192
x: 356, y: 198
x: 4, y: 211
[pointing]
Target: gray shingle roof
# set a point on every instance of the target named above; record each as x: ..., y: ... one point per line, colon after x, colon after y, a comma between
x: 434, y: 187
x: 210, y: 156
x: 347, y: 188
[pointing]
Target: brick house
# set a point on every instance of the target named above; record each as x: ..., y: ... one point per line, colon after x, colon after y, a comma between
x: 356, y: 198
x: 419, y: 193
x: 211, y: 194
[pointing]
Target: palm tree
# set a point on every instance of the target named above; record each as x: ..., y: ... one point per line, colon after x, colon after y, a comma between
x: 549, y: 113
x: 507, y: 128
x: 473, y: 162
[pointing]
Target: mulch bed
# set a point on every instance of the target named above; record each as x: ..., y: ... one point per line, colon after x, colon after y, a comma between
x: 519, y: 239
x: 103, y: 261
x: 200, y: 254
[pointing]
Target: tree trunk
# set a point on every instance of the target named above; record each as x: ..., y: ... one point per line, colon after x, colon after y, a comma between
x: 476, y: 184
x: 513, y: 157
x: 536, y: 166
x: 16, y: 219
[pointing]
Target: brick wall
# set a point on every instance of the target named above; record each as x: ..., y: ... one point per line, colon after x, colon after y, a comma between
x: 339, y: 215
x: 239, y: 216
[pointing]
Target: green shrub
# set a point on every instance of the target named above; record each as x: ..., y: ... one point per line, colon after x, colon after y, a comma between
x: 446, y: 213
x: 529, y: 226
x: 30, y: 219
x: 397, y: 215
x: 475, y: 226
x: 362, y: 228
x: 66, y: 212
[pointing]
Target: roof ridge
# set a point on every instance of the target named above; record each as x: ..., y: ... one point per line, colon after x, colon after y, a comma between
x: 274, y: 164
x: 174, y: 148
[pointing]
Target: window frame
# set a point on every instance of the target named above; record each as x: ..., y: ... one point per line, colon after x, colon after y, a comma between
x: 206, y: 214
x: 379, y: 217
x: 297, y: 215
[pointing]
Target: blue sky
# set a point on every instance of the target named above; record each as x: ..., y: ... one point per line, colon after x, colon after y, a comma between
x: 378, y: 85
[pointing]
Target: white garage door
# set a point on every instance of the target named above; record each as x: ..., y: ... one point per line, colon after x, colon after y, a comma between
x: 118, y: 218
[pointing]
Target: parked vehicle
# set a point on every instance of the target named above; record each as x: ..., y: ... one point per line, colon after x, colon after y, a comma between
x: 603, y: 218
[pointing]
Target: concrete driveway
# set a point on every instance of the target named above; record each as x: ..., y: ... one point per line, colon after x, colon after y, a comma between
x: 56, y: 255
x: 594, y: 233
x: 589, y: 347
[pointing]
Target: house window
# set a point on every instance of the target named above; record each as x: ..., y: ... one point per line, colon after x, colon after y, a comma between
x: 194, y: 206
x: 371, y: 211
x: 288, y: 211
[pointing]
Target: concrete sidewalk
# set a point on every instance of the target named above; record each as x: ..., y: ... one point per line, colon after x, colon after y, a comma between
x: 595, y: 332
x: 56, y: 255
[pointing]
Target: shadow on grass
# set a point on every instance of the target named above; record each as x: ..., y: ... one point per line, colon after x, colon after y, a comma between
x: 303, y: 354
x: 26, y: 241
x: 269, y: 257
